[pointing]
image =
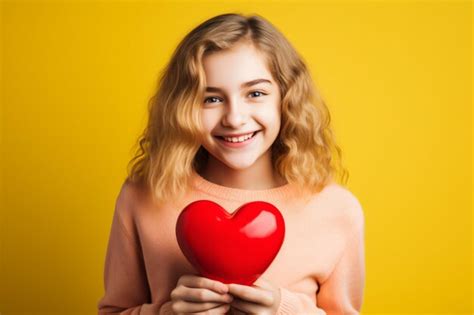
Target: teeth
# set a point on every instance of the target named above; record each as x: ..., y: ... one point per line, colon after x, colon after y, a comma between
x: 239, y: 139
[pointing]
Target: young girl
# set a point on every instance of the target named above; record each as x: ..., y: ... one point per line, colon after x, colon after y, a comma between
x: 235, y: 119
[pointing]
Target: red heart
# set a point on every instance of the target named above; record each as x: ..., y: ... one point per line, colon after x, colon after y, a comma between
x: 230, y: 248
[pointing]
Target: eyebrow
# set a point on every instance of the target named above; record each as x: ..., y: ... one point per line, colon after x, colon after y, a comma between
x: 243, y: 85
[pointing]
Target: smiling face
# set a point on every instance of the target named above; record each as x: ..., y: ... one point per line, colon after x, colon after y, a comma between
x: 241, y: 98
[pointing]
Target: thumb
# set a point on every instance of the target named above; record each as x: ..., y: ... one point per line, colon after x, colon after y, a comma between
x: 263, y: 283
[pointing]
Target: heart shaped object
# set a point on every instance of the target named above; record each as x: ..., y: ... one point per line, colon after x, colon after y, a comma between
x: 230, y: 248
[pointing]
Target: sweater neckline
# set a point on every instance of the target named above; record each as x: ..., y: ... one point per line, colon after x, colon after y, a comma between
x: 238, y: 194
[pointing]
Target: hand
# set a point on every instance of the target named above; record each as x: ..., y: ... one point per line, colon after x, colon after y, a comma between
x: 261, y: 298
x: 200, y: 295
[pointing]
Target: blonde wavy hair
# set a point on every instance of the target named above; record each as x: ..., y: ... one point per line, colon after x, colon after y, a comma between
x: 169, y: 150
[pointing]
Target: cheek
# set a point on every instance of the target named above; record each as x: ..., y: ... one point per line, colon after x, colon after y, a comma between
x: 270, y: 117
x: 209, y: 120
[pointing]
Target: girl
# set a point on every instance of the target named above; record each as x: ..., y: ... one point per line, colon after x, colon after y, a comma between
x: 236, y: 119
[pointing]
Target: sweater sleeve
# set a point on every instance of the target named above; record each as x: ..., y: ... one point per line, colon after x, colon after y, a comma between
x: 125, y: 281
x: 293, y: 303
x: 341, y: 293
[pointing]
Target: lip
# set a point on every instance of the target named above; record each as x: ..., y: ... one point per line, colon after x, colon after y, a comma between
x: 237, y: 144
x: 239, y: 134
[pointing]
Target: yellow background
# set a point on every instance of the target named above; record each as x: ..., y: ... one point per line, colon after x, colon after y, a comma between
x: 396, y: 76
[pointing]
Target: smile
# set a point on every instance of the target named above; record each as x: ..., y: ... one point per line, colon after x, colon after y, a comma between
x: 237, y: 144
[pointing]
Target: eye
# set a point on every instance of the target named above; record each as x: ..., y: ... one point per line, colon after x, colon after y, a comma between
x: 210, y: 98
x: 258, y: 92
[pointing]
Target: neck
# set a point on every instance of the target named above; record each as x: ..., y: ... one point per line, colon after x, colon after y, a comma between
x: 260, y: 175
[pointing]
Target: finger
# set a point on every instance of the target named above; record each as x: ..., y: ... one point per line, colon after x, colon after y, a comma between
x: 222, y: 309
x: 193, y: 281
x: 251, y: 294
x: 199, y: 295
x: 262, y: 283
x: 190, y: 307
x: 236, y: 311
x: 246, y: 307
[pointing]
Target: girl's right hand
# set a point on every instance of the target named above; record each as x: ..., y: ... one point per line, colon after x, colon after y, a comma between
x: 200, y: 295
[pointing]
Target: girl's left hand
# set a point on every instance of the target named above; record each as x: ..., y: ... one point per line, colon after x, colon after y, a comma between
x: 261, y: 298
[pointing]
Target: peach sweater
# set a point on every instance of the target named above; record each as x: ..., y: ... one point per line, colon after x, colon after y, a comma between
x: 320, y: 268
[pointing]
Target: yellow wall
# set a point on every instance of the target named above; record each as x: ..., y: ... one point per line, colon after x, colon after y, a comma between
x: 76, y: 77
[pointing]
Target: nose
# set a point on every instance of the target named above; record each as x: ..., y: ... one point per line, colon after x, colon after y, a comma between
x: 235, y: 115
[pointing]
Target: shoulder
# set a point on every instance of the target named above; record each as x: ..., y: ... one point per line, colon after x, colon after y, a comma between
x: 126, y: 205
x: 128, y: 198
x: 344, y: 203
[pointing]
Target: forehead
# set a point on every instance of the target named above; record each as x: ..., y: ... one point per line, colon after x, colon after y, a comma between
x: 230, y: 67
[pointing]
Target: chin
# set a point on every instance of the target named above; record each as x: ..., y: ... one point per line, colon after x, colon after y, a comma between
x: 238, y: 165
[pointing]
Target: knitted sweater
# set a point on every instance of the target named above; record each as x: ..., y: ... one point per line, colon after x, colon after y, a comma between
x: 320, y: 268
